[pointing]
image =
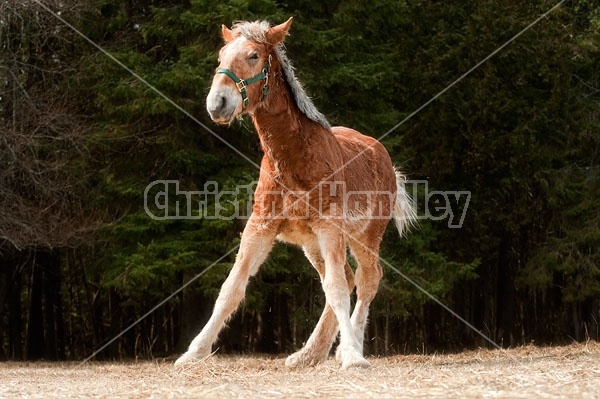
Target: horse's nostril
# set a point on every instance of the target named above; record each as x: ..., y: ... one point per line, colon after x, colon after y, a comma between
x: 216, y: 104
x: 220, y: 104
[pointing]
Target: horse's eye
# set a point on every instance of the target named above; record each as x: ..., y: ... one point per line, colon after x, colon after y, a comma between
x: 254, y: 56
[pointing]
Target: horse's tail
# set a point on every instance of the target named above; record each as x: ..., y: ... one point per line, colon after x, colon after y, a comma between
x: 405, y: 212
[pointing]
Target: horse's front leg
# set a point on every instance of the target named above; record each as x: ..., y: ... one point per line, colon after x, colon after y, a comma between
x: 255, y: 246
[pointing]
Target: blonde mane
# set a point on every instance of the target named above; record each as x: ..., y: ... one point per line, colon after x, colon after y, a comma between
x: 255, y: 31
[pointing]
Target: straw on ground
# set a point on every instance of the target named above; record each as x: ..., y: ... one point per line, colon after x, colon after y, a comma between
x: 527, y: 372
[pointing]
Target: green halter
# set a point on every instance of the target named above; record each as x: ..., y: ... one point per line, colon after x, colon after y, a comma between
x: 241, y: 83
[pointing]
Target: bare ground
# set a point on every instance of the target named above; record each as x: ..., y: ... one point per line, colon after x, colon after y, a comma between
x: 527, y: 372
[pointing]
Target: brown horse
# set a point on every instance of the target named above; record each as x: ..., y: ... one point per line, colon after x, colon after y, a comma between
x: 320, y: 187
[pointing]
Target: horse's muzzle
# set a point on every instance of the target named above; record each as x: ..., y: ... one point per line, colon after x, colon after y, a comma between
x: 222, y: 103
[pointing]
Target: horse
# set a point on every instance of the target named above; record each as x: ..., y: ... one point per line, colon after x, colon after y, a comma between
x: 321, y: 188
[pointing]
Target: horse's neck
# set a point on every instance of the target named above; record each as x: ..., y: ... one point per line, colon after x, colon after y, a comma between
x: 288, y: 137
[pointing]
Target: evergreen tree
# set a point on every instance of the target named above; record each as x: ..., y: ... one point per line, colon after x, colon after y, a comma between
x: 84, y: 139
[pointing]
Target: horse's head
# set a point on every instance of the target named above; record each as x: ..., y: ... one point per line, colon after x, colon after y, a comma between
x: 241, y: 80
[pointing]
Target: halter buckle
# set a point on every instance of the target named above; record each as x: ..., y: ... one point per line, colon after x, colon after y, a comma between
x: 241, y: 85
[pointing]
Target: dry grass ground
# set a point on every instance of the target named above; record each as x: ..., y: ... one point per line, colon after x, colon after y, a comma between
x: 528, y: 372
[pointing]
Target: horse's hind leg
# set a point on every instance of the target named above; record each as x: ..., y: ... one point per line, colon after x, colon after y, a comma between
x: 320, y: 341
x: 367, y: 278
x: 337, y: 295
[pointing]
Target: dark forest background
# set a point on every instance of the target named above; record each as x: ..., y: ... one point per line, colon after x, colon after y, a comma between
x: 81, y: 138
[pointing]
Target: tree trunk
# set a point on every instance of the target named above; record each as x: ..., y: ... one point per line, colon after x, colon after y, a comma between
x: 15, y: 322
x: 34, y: 342
x: 5, y: 280
x: 54, y: 325
x: 195, y: 311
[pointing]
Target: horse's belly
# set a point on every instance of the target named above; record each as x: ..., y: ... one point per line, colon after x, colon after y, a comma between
x: 297, y: 232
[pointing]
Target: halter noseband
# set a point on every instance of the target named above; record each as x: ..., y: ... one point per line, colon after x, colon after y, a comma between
x: 242, y: 83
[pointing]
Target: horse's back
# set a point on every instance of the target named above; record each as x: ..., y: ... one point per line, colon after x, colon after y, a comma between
x: 368, y: 164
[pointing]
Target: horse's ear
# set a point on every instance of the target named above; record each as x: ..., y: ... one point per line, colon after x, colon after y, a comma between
x: 226, y: 33
x: 278, y: 33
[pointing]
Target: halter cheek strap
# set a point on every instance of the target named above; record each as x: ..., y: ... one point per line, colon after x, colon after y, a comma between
x: 242, y: 83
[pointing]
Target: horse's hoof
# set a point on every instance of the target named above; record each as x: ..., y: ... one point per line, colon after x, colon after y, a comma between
x: 187, y: 358
x: 303, y: 358
x: 359, y: 362
x: 351, y: 358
